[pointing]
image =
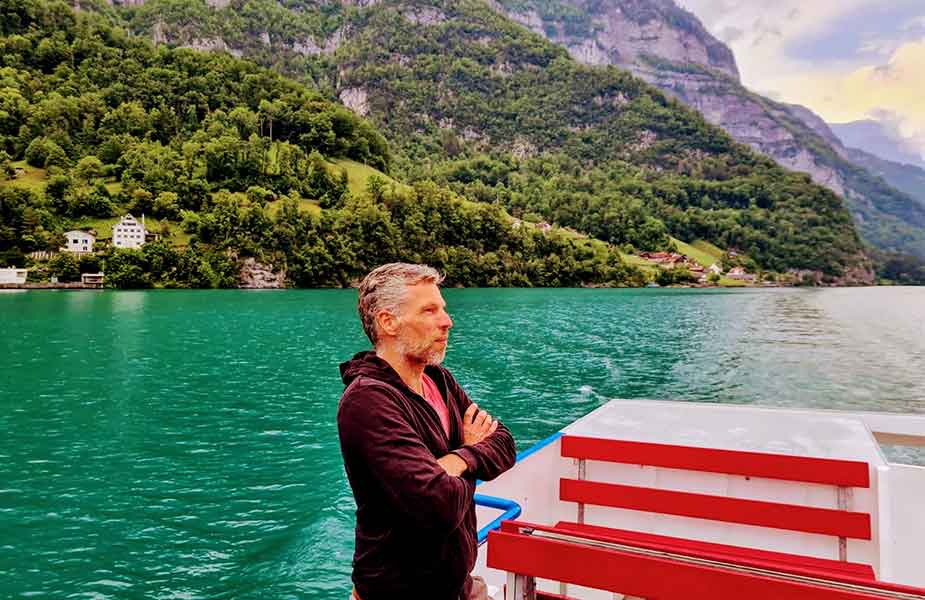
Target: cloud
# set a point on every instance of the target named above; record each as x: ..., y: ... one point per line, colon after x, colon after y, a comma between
x: 846, y: 60
x: 888, y: 92
x: 915, y: 26
x: 894, y: 91
x: 730, y: 34
x: 762, y: 32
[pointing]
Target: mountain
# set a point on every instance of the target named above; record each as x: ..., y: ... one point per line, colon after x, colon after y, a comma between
x: 875, y: 138
x: 249, y: 175
x: 871, y: 145
x: 906, y: 178
x: 669, y: 48
x: 478, y: 103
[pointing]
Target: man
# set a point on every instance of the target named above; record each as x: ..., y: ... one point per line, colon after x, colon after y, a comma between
x: 413, y: 445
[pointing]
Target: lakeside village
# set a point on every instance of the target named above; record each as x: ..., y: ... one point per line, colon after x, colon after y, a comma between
x: 130, y: 233
x: 127, y: 233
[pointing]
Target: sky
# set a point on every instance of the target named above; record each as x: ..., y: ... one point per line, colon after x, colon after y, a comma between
x: 847, y: 60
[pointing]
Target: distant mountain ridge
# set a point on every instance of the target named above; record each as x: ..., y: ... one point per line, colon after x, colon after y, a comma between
x: 873, y: 137
x: 906, y: 178
x: 668, y: 47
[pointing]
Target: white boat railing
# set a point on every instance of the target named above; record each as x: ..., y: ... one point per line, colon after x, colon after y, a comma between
x: 898, y: 429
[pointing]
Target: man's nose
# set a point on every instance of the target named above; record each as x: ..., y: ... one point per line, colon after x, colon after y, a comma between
x: 447, y: 321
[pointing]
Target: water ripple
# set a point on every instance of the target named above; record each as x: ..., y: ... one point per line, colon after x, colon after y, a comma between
x: 182, y: 445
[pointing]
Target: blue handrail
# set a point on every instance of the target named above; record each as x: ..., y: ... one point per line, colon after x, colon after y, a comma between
x: 511, y: 509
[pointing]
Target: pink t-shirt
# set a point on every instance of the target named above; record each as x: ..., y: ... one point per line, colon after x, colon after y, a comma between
x: 435, y: 399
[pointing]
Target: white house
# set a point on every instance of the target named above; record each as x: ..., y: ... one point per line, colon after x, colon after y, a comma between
x: 129, y: 233
x: 13, y: 275
x: 79, y: 242
x: 715, y: 268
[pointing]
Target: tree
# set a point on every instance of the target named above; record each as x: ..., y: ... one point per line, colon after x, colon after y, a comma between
x: 167, y: 205
x: 40, y: 149
x: 90, y: 263
x: 65, y: 266
x: 88, y: 168
x: 260, y: 196
x: 6, y: 166
x: 126, y: 269
x: 142, y: 201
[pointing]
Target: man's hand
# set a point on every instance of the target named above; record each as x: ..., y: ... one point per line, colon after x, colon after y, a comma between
x: 452, y: 464
x: 477, y: 425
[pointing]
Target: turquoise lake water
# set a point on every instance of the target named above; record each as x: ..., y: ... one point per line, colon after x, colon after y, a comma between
x: 182, y: 444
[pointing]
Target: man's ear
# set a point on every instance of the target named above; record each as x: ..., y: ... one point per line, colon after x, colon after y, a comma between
x: 387, y: 322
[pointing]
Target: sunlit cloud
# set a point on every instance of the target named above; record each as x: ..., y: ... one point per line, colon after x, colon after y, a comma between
x: 846, y: 60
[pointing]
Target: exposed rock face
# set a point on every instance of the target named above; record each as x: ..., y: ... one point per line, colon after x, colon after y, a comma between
x: 334, y: 42
x: 258, y: 276
x: 688, y: 63
x: 421, y: 15
x: 307, y: 47
x: 157, y: 33
x: 628, y: 32
x: 215, y: 44
x: 356, y: 99
x: 758, y: 122
x: 669, y: 48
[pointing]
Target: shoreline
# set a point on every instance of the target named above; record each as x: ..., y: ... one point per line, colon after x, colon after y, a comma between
x: 52, y: 286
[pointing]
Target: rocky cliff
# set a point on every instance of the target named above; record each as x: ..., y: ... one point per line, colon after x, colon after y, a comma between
x: 669, y: 48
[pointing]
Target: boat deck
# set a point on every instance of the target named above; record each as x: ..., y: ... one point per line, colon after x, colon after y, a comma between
x: 891, y: 498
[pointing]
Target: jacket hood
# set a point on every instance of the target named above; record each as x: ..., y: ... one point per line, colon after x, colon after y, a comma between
x: 368, y: 364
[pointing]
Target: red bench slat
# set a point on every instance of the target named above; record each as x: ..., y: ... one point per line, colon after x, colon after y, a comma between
x: 791, y: 517
x: 540, y: 595
x: 640, y: 575
x: 762, y: 559
x: 828, y: 471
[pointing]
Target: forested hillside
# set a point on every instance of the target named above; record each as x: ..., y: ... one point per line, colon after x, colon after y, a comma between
x: 670, y: 48
x: 235, y: 162
x: 477, y: 102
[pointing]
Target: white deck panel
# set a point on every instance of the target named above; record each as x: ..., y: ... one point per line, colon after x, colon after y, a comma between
x: 820, y: 434
x: 893, y: 500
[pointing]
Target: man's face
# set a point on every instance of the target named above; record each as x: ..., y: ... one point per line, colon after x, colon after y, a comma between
x: 424, y: 325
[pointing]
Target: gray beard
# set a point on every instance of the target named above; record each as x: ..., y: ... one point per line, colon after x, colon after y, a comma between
x: 421, y: 353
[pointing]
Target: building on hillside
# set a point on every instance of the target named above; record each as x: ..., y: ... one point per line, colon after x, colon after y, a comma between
x: 129, y: 233
x: 13, y: 275
x: 715, y: 268
x: 78, y: 242
x: 740, y: 274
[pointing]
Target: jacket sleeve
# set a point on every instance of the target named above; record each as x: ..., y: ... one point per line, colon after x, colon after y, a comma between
x: 492, y: 456
x: 378, y: 441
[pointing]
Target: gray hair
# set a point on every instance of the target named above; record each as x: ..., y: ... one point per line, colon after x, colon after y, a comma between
x: 385, y: 288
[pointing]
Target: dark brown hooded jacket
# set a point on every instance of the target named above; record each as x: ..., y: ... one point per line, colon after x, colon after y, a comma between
x: 416, y: 526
